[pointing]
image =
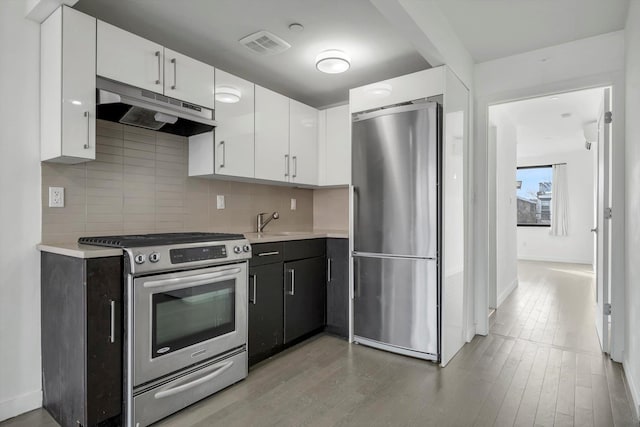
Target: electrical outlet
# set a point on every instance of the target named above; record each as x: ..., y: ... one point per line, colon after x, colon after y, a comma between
x: 220, y: 201
x: 56, y: 197
x: 294, y: 204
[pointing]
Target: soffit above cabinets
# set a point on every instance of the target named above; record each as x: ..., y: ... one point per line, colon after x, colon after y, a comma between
x: 209, y: 31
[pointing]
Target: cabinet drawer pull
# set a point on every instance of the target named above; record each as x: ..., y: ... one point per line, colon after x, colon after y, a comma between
x: 88, y: 116
x: 293, y: 282
x: 268, y: 253
x: 175, y: 74
x: 255, y: 286
x: 295, y: 166
x: 286, y: 165
x: 224, y: 154
x: 329, y: 270
x: 159, y: 65
x: 112, y: 331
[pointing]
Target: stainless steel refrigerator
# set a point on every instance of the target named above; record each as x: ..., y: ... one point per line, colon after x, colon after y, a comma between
x: 396, y: 226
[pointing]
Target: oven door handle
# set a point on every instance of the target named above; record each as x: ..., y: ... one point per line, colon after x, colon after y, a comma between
x: 219, y: 369
x: 195, y: 280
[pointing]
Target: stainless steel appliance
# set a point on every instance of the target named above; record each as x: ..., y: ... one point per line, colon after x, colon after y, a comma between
x: 185, y: 317
x: 396, y: 220
x: 119, y: 102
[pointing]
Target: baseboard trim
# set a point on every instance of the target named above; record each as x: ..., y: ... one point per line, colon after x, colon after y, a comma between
x: 562, y: 261
x: 633, y: 389
x: 20, y: 404
x: 505, y: 294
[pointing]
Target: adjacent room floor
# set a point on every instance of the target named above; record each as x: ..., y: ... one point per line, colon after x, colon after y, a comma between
x: 541, y: 365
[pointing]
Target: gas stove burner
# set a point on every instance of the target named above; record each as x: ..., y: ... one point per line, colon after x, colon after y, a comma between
x: 158, y: 239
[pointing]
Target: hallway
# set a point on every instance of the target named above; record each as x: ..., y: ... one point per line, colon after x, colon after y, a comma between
x: 540, y: 366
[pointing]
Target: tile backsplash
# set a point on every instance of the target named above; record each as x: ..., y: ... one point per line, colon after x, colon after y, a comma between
x: 139, y: 184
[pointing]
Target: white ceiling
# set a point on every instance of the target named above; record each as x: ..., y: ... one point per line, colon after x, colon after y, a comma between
x: 542, y: 130
x: 491, y: 29
x: 209, y: 30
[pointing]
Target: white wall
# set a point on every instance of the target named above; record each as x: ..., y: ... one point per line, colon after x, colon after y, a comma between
x: 20, y: 385
x: 535, y: 243
x: 591, y: 62
x: 632, y: 350
x: 505, y: 205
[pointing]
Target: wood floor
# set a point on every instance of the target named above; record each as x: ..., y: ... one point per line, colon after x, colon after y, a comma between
x: 541, y: 365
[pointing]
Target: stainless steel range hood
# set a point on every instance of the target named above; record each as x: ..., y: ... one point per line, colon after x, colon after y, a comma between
x: 118, y: 102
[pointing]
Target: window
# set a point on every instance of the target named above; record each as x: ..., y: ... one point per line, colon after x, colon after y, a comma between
x: 534, y: 191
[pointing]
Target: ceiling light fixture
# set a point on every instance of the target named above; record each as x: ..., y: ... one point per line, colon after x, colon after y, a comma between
x: 554, y: 98
x: 228, y: 95
x: 333, y: 61
x: 379, y: 90
x: 296, y: 27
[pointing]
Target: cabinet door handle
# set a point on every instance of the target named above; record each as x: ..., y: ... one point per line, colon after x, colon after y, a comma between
x: 159, y: 65
x: 268, y: 253
x: 112, y: 330
x: 175, y: 73
x: 329, y: 270
x: 224, y: 154
x: 255, y: 286
x: 293, y: 282
x: 88, y: 116
x: 286, y: 165
x: 295, y: 166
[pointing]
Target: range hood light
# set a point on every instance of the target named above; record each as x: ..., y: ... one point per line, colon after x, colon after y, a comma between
x: 333, y: 61
x: 228, y: 95
x: 165, y: 118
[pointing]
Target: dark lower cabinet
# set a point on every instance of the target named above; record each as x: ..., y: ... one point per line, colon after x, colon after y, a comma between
x: 82, y: 339
x: 304, y: 297
x: 338, y: 287
x: 265, y: 311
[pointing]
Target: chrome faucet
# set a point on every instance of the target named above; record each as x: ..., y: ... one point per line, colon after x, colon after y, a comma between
x: 262, y: 223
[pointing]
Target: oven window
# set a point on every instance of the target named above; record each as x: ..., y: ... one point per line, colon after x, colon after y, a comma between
x: 191, y: 315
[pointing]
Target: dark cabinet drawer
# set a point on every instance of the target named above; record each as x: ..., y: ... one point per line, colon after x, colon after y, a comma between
x: 300, y: 249
x: 266, y: 253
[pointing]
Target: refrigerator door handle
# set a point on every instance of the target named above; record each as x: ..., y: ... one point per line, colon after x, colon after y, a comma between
x: 376, y: 255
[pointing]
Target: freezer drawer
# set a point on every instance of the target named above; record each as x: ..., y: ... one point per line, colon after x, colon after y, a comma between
x: 396, y: 302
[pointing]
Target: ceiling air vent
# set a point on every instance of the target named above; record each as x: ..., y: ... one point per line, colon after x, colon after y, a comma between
x: 264, y: 43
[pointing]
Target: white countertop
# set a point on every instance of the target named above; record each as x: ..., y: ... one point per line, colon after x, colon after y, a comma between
x: 87, y: 251
x: 79, y: 251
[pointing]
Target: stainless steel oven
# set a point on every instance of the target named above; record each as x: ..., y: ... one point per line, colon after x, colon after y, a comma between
x: 185, y: 319
x: 182, y: 318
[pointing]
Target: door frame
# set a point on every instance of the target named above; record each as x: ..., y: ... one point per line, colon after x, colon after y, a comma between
x: 486, y: 260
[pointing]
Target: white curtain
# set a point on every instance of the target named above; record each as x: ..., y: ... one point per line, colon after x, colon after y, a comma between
x: 559, y: 202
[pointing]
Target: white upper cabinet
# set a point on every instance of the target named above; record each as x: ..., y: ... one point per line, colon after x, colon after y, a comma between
x: 234, y: 136
x: 335, y: 147
x: 303, y: 143
x: 130, y: 59
x: 272, y: 160
x: 68, y: 87
x: 188, y: 80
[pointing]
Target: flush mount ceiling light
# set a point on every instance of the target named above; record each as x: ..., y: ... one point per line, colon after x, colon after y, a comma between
x: 379, y: 90
x: 227, y: 94
x: 333, y: 61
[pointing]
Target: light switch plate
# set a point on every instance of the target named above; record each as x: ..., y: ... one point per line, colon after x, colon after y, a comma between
x: 56, y: 197
x: 220, y: 201
x: 294, y: 204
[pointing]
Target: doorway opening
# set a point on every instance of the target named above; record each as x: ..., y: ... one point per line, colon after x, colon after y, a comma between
x: 549, y: 167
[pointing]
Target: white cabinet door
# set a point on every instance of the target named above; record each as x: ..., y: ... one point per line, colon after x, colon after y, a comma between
x: 68, y: 87
x: 272, y: 160
x: 130, y: 59
x: 188, y: 80
x: 234, y: 142
x: 303, y: 143
x: 337, y: 149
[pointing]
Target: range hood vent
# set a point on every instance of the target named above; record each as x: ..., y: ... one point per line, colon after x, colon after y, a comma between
x: 118, y: 102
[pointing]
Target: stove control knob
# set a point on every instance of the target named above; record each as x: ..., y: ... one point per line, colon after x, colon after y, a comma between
x: 246, y: 248
x: 154, y: 257
x: 237, y: 249
x: 139, y: 259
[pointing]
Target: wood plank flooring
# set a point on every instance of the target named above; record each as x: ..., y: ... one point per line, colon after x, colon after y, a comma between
x: 540, y: 366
